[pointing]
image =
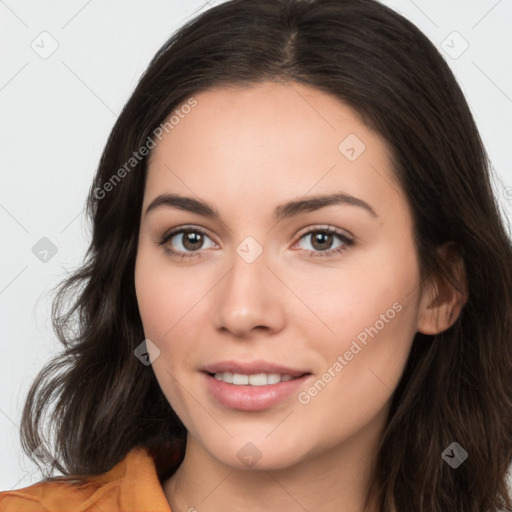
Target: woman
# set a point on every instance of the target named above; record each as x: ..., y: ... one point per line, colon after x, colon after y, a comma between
x: 225, y: 358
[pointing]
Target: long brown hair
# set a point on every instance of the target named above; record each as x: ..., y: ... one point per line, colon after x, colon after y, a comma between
x: 456, y: 386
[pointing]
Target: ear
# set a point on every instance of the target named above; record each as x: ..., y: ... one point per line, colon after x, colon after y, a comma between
x: 441, y: 303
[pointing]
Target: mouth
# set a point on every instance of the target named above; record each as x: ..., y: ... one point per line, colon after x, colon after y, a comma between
x: 253, y: 392
x: 251, y: 368
x: 254, y: 379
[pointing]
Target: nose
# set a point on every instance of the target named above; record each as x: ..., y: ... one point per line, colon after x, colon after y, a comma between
x: 249, y: 298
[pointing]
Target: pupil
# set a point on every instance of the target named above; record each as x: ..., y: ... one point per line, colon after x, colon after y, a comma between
x: 322, y: 236
x: 192, y: 238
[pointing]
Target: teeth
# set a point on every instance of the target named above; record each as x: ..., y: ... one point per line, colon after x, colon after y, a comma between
x: 240, y: 379
x: 257, y: 379
x: 274, y: 378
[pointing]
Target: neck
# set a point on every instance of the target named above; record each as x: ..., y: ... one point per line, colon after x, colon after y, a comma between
x: 335, y: 479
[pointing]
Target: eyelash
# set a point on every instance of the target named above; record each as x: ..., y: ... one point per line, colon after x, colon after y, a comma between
x: 347, y: 242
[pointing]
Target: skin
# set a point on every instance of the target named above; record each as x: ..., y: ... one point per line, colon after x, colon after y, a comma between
x: 245, y: 151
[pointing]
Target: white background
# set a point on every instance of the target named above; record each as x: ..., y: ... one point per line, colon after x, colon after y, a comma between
x: 56, y: 115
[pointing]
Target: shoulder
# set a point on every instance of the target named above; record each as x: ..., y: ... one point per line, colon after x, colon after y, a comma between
x: 62, y: 494
x: 16, y: 501
x: 131, y: 485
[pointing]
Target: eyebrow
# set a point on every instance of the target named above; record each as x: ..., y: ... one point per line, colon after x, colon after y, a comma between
x: 283, y: 211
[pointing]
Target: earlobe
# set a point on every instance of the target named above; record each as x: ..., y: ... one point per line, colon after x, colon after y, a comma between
x: 442, y: 302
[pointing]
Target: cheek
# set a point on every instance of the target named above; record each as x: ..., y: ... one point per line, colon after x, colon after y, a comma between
x: 151, y: 298
x: 164, y: 295
x: 160, y: 310
x: 361, y: 372
x: 167, y: 303
x: 363, y: 294
x: 369, y: 322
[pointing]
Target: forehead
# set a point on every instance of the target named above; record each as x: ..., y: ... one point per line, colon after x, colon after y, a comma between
x: 269, y: 141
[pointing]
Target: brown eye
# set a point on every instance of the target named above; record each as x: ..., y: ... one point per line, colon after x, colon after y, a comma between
x: 322, y: 242
x: 192, y: 240
x: 185, y: 242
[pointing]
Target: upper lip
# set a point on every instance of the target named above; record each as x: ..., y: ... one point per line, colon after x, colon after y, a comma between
x: 251, y: 368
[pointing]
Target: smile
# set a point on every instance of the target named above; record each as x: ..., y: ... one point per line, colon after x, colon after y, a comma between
x: 264, y: 392
x: 256, y: 379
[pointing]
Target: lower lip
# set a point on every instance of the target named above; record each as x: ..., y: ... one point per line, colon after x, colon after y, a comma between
x: 252, y: 398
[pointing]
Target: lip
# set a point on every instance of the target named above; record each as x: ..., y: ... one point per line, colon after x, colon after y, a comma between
x: 247, y: 397
x: 251, y: 368
x: 252, y: 398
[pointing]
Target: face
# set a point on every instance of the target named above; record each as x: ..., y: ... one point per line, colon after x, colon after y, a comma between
x: 329, y: 291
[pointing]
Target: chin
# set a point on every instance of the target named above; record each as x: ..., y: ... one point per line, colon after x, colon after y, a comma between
x: 264, y: 455
x: 273, y: 463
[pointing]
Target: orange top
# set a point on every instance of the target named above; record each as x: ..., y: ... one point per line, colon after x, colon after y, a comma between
x: 132, y: 485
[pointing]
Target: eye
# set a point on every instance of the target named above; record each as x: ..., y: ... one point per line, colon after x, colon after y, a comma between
x: 191, y: 239
x: 322, y: 241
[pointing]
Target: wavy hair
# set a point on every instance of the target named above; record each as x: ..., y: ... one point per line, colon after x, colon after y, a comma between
x: 456, y: 385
